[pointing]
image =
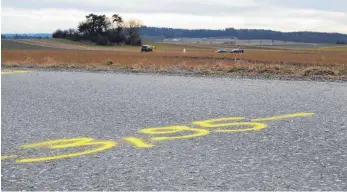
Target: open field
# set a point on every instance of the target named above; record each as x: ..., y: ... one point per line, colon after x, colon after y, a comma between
x: 25, y: 44
x: 22, y: 44
x: 18, y: 45
x: 228, y: 40
x: 326, y: 62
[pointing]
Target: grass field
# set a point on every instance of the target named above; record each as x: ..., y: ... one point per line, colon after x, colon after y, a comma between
x: 25, y: 44
x: 328, y: 62
x: 15, y: 45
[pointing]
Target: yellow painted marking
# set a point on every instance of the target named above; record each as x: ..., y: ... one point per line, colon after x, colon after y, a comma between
x: 67, y: 143
x: 280, y: 117
x: 209, y: 123
x: 12, y: 72
x: 137, y: 142
x: 58, y: 143
x: 174, y: 129
x: 9, y: 157
x: 255, y: 127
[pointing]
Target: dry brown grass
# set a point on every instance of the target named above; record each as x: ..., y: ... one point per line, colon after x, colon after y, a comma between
x: 253, y: 62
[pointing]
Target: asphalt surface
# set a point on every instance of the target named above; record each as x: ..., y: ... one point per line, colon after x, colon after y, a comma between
x: 304, y: 153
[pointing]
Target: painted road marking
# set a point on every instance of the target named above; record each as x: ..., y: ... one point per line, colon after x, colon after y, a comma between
x: 209, y: 123
x: 9, y: 157
x: 254, y: 127
x: 137, y: 142
x: 280, y: 117
x: 174, y: 129
x: 13, y: 72
x: 155, y: 133
x: 67, y: 143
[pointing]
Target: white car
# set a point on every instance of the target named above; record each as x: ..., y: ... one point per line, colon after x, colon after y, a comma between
x: 221, y: 51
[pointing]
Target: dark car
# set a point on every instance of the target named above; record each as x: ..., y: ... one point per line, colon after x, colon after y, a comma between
x: 146, y: 48
x: 237, y: 50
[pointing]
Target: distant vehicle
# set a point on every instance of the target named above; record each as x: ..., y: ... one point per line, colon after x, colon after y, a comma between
x: 221, y: 51
x: 237, y: 50
x: 147, y: 48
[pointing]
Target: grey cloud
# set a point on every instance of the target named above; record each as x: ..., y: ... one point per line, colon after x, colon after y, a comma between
x: 275, y: 14
x: 323, y: 5
x: 194, y: 7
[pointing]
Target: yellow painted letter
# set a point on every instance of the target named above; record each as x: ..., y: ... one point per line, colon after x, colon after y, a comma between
x: 137, y: 142
x: 254, y: 127
x: 67, y: 143
x: 280, y: 117
x: 211, y: 122
x: 174, y: 129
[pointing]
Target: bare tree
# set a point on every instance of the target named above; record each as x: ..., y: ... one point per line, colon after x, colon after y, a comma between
x: 132, y: 27
x: 118, y: 19
x: 132, y: 32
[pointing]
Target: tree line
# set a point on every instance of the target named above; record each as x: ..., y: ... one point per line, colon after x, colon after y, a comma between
x: 247, y: 34
x: 102, y: 30
x: 20, y: 36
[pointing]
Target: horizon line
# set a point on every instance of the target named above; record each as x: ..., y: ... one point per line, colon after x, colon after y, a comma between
x: 209, y: 29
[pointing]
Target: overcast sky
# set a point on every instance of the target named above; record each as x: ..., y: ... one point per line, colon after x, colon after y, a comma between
x: 28, y: 16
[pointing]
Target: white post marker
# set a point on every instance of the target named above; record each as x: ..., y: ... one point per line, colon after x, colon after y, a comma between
x: 184, y: 50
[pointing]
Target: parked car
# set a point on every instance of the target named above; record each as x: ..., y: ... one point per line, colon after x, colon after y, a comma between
x: 147, y: 48
x: 221, y: 51
x: 237, y: 50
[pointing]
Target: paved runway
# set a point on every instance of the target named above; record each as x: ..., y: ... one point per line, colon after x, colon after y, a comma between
x: 113, y: 131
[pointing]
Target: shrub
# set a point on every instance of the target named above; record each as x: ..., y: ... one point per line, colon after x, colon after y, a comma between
x: 101, y: 40
x: 59, y: 34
